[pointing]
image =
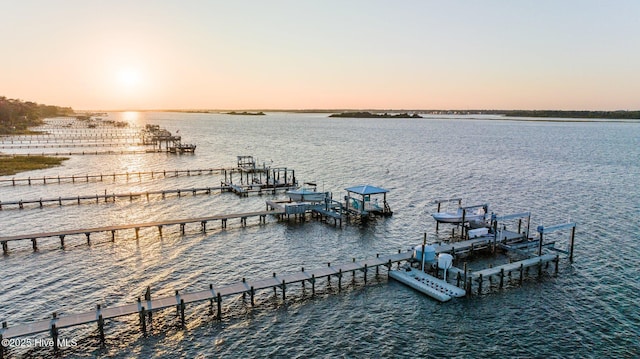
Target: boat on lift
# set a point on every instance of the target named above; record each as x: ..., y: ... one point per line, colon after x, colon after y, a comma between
x: 307, y: 194
x: 470, y: 214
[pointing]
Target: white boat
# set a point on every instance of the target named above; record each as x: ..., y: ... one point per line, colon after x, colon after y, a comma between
x: 426, y: 284
x: 456, y: 217
x: 307, y: 195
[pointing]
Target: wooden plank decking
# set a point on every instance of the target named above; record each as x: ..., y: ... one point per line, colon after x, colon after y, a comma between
x: 106, y: 197
x: 212, y: 294
x: 88, y: 231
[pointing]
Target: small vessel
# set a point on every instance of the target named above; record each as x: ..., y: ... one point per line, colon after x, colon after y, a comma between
x: 426, y: 284
x: 307, y: 195
x: 456, y: 217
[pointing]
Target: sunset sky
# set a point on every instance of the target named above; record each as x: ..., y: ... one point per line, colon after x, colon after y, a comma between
x: 348, y: 54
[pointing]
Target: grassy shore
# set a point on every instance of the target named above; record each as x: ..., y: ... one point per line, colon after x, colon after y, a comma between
x: 10, y: 165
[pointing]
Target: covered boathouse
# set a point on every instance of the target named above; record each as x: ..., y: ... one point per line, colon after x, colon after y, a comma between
x: 364, y: 200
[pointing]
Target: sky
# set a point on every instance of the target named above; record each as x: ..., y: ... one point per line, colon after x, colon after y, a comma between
x: 325, y: 54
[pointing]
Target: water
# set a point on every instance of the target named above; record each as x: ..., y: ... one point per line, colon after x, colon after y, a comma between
x: 580, y: 171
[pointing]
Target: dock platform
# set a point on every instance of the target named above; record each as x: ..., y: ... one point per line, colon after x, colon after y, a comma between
x: 212, y: 294
x: 223, y: 218
x: 110, y: 197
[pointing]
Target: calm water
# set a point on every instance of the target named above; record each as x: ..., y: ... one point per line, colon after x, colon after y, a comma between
x: 585, y: 172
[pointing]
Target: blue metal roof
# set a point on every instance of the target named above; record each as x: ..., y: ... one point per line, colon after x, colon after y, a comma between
x: 366, y: 189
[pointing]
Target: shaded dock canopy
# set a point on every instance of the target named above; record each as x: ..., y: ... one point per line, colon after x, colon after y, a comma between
x: 362, y: 204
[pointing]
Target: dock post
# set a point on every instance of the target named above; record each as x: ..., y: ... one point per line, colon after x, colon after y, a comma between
x: 182, y: 228
x: 365, y: 273
x: 458, y: 278
x: 160, y: 231
x: 224, y: 223
x: 137, y: 233
x: 501, y: 277
x: 480, y: 284
x: 113, y: 235
x: 54, y: 335
x: 211, y: 299
x: 204, y: 226
x: 539, y: 268
x: 147, y: 297
x: 88, y: 234
x: 313, y: 285
x: 5, y: 247
x: 573, y: 235
x: 219, y: 306
x: 521, y: 272
x: 100, y: 326
x: 253, y: 292
x: 143, y: 322
x: 34, y: 244
x: 340, y: 279
x: 540, y: 244
x: 557, y: 260
x: 284, y: 289
x: 182, y: 306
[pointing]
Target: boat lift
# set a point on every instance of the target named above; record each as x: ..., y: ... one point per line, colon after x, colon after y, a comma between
x: 542, y: 230
x: 495, y: 219
x: 464, y: 209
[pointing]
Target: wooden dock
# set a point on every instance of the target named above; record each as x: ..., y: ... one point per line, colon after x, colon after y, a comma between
x: 213, y: 295
x: 110, y: 197
x: 243, y: 190
x: 74, y: 145
x: 101, y: 177
x: 223, y: 218
x: 506, y: 269
x: 82, y: 153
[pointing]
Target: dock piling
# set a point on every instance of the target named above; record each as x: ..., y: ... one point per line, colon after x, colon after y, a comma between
x: 521, y: 272
x: 219, y: 300
x: 182, y: 306
x: 284, y: 290
x: 100, y: 324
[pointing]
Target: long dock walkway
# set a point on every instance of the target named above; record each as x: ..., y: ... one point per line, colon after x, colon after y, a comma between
x: 101, y: 177
x: 160, y: 224
x: 109, y: 197
x: 71, y: 153
x: 73, y: 145
x: 213, y: 294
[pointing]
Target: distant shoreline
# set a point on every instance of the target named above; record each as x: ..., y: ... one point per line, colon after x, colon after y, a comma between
x: 366, y: 114
x: 553, y: 115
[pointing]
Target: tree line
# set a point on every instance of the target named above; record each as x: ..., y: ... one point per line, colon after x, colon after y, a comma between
x: 17, y: 115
